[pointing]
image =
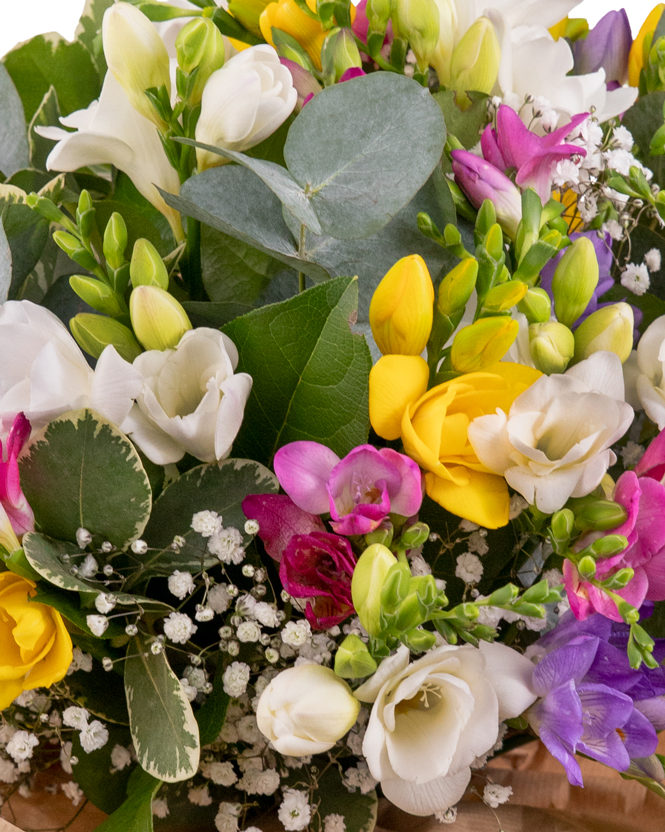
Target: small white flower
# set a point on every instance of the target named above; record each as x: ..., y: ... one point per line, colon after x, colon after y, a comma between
x: 204, y: 613
x: 294, y: 811
x: 160, y: 808
x: 251, y: 527
x: 73, y: 792
x: 296, y: 633
x: 83, y: 538
x: 219, y: 598
x: 97, y: 624
x: 266, y: 614
x: 549, y: 120
x: 226, y: 819
x: 104, y: 603
x: 334, y: 823
x: 623, y: 138
x: 93, y: 736
x: 620, y: 160
x: 75, y: 717
x: 449, y: 816
x: 120, y: 757
x: 181, y: 584
x: 8, y: 771
x: 221, y: 774
x: 179, y: 627
x: 139, y: 547
x: 80, y: 661
x: 248, y: 631
x: 259, y: 782
x: 636, y: 278
x: 566, y: 173
x: 227, y: 546
x: 469, y: 568
x: 189, y: 690
x: 235, y: 679
x: 89, y: 567
x: 588, y: 207
x: 20, y: 746
x: 494, y: 794
x: 614, y: 229
x: 632, y: 453
x: 199, y: 796
x: 272, y: 655
x: 477, y: 542
x: 653, y: 260
x: 517, y: 506
x: 359, y: 777
x: 207, y: 523
x: 419, y: 566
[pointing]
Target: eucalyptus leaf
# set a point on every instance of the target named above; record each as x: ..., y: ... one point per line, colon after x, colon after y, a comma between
x: 5, y: 265
x: 164, y: 730
x: 135, y: 814
x: 13, y: 133
x: 310, y: 372
x: 80, y: 471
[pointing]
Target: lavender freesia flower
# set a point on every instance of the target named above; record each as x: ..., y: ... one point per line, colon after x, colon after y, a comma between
x: 481, y: 180
x: 607, y: 47
x: 590, y: 700
x: 359, y: 491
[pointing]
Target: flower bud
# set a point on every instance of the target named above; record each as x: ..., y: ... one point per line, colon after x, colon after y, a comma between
x: 287, y: 16
x: 395, y: 381
x: 411, y: 613
x: 401, y: 310
x: 561, y: 528
x: 650, y: 767
x: 199, y: 46
x: 536, y: 305
x: 396, y: 587
x: 574, y: 281
x: 587, y: 568
x: 620, y: 579
x: 414, y: 536
x: 367, y: 583
x: 136, y: 55
x: 115, y: 241
x: 93, y: 333
x: 444, y: 48
x: 418, y: 22
x: 74, y: 250
x: 420, y: 641
x: 353, y: 660
x: 248, y: 13
x: 609, y: 545
x: 480, y: 181
x: 644, y: 38
x: 609, y: 328
x: 483, y: 343
x: 98, y: 295
x: 552, y: 346
x: 601, y: 516
x: 457, y: 287
x: 475, y: 60
x: 147, y: 267
x: 339, y: 53
x: 158, y: 319
x: 384, y: 534
x: 504, y: 296
x: 377, y: 13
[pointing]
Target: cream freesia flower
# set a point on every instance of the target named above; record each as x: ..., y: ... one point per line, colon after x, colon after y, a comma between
x: 646, y: 368
x: 555, y: 441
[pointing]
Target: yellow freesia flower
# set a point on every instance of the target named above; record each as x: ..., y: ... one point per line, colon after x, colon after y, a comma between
x: 290, y: 18
x: 35, y: 647
x: 636, y: 56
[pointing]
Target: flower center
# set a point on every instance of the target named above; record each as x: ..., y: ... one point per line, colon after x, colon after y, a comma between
x: 428, y: 696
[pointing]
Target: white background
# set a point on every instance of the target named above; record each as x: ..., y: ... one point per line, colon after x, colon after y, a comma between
x: 22, y: 19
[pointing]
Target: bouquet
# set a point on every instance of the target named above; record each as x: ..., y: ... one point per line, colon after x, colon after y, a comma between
x: 331, y: 389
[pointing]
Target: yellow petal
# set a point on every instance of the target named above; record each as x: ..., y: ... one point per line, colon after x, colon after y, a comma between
x: 636, y: 56
x: 484, y: 500
x: 54, y: 665
x: 395, y: 381
x: 9, y: 690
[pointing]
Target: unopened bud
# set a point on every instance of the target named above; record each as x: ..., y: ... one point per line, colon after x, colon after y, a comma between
x: 420, y: 641
x: 418, y: 22
x: 395, y: 586
x: 504, y: 296
x: 98, y: 295
x: 411, y: 613
x: 457, y: 287
x: 378, y: 14
x: 587, y: 568
x: 199, y: 46
x: 609, y: 545
x: 339, y: 53
x: 609, y: 328
x: 159, y: 321
x: 475, y: 60
x: 147, y: 267
x: 93, y: 333
x: 414, y: 536
x: 574, y: 281
x: 248, y: 13
x: 620, y: 579
x: 552, y: 346
x: 483, y: 343
x: 601, y: 516
x: 367, y: 583
x: 353, y: 660
x: 561, y: 526
x: 74, y: 250
x: 536, y: 305
x: 383, y: 535
x: 115, y: 241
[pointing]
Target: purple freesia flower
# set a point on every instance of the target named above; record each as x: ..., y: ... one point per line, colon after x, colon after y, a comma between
x: 12, y: 497
x: 513, y: 146
x: 319, y: 566
x: 480, y: 180
x: 607, y: 47
x: 591, y: 700
x: 359, y: 491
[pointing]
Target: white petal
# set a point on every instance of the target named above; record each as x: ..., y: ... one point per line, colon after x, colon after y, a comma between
x: 489, y: 437
x: 389, y: 668
x: 653, y: 400
x: 510, y: 674
x: 601, y: 373
x: 157, y: 445
x: 115, y: 385
x: 427, y: 798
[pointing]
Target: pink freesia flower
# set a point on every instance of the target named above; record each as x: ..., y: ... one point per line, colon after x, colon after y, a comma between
x: 279, y: 520
x: 12, y: 497
x: 359, y: 491
x: 533, y: 157
x: 319, y: 566
x: 644, y: 500
x: 652, y: 463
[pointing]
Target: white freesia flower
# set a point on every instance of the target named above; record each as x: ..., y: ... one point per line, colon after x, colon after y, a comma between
x: 191, y: 400
x: 431, y: 718
x: 111, y: 131
x: 44, y: 373
x: 244, y: 102
x: 555, y: 441
x: 306, y: 709
x: 645, y: 372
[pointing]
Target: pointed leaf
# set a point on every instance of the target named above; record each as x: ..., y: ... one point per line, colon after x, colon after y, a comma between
x: 5, y: 265
x: 47, y: 115
x: 135, y: 814
x: 13, y: 133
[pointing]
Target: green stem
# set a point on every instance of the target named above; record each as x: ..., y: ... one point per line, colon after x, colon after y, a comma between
x: 191, y: 267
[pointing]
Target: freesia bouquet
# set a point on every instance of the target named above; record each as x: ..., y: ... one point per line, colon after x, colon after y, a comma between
x: 331, y: 388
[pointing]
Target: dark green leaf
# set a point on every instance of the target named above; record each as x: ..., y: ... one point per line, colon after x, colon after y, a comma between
x: 465, y: 125
x: 643, y: 119
x: 93, y: 771
x: 46, y: 555
x: 310, y: 372
x: 63, y: 301
x: 5, y: 265
x: 211, y: 715
x: 215, y: 315
x: 13, y: 133
x: 27, y: 234
x: 89, y: 31
x: 135, y: 814
x: 101, y: 692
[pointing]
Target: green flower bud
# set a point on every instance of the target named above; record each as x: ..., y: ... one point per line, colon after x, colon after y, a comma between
x: 98, y: 295
x: 475, y: 61
x: 74, y: 250
x: 383, y: 535
x: 50, y: 211
x: 158, y: 319
x: 504, y: 296
x: 536, y: 305
x: 609, y: 328
x: 199, y: 46
x: 353, y: 660
x: 378, y: 14
x: 367, y: 583
x: 574, y: 281
x: 248, y: 13
x: 609, y: 545
x: 412, y: 612
x: 561, y: 528
x: 395, y: 587
x: 501, y: 597
x: 93, y: 333
x: 457, y: 287
x: 418, y: 22
x: 537, y: 593
x: 115, y: 241
x: 587, y: 568
x: 147, y: 267
x: 552, y: 346
x: 425, y: 588
x: 338, y: 53
x: 650, y: 767
x: 85, y: 215
x: 620, y: 579
x: 414, y: 536
x: 420, y: 641
x: 601, y: 516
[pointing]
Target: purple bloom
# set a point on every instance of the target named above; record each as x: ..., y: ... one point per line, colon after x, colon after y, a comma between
x: 279, y: 519
x: 359, y: 491
x: 319, y: 566
x: 481, y: 180
x: 513, y: 146
x: 12, y: 497
x: 591, y: 700
x: 607, y: 47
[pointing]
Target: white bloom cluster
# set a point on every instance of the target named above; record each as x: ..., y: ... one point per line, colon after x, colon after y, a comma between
x: 294, y: 812
x: 80, y: 661
x: 206, y: 523
x: 227, y: 545
x: 92, y: 735
x: 469, y: 568
x: 220, y: 773
x: 21, y: 745
x: 179, y: 627
x: 181, y: 584
x: 359, y: 777
x: 494, y: 794
x: 236, y: 679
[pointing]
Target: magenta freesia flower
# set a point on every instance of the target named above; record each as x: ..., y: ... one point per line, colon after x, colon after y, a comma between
x: 481, y: 180
x: 279, y: 520
x: 513, y: 146
x: 359, y: 491
x: 11, y: 496
x: 319, y: 566
x: 652, y: 463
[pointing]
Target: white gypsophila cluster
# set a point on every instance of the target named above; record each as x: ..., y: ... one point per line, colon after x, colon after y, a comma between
x: 206, y: 523
x: 227, y: 545
x: 566, y: 173
x: 21, y: 745
x: 83, y: 538
x: 294, y: 811
x: 75, y: 717
x: 197, y: 677
x: 334, y: 823
x: 204, y: 613
x: 160, y: 808
x: 614, y: 229
x: 89, y: 568
x: 469, y: 568
x: 251, y: 527
x: 219, y: 599
x: 359, y: 777
x: 73, y: 792
x: 221, y: 774
x: 477, y: 543
x: 8, y: 771
x: 105, y: 602
x: 66, y: 757
x: 97, y: 624
x: 120, y: 757
x: 236, y: 679
x: 517, y: 506
x: 419, y: 566
x: 181, y: 584
x: 226, y: 819
x: 635, y: 278
x: 179, y: 627
x: 199, y: 796
x: 248, y: 729
x: 494, y: 795
x: 93, y: 736
x: 189, y: 690
x: 652, y: 259
x: 296, y: 633
x: 632, y: 453
x: 449, y: 816
x: 80, y: 661
x: 245, y: 605
x: 266, y: 614
x: 259, y: 782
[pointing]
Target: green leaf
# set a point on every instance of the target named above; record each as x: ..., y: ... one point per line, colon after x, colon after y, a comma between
x: 80, y: 471
x: 27, y: 234
x: 465, y: 125
x: 220, y: 488
x: 310, y: 372
x: 643, y: 119
x: 48, y: 60
x: 51, y: 559
x: 355, y: 152
x: 212, y: 714
x: 92, y: 772
x: 235, y: 201
x: 164, y: 730
x: 47, y: 115
x: 135, y: 814
x: 13, y: 133
x: 5, y: 265
x: 359, y: 810
x: 206, y: 313
x: 101, y: 692
x: 89, y: 31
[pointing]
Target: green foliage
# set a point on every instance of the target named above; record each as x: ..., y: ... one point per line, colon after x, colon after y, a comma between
x: 105, y: 790
x: 135, y: 814
x: 89, y: 30
x: 27, y: 234
x: 212, y: 714
x: 81, y: 471
x: 310, y: 372
x: 46, y: 115
x: 13, y: 134
x: 102, y: 693
x: 643, y: 119
x: 465, y: 125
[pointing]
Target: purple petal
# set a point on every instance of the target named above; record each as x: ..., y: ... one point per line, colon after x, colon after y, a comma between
x: 537, y: 172
x: 303, y: 470
x: 569, y: 627
x: 279, y: 519
x: 603, y: 710
x: 355, y: 481
x: 351, y: 73
x: 490, y: 148
x: 609, y: 750
x: 559, y: 751
x: 561, y: 712
x: 517, y: 144
x: 639, y: 735
x: 607, y: 47
x: 612, y: 668
x: 570, y: 662
x: 654, y: 710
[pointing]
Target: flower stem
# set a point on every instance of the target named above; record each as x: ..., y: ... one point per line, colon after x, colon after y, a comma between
x: 191, y: 265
